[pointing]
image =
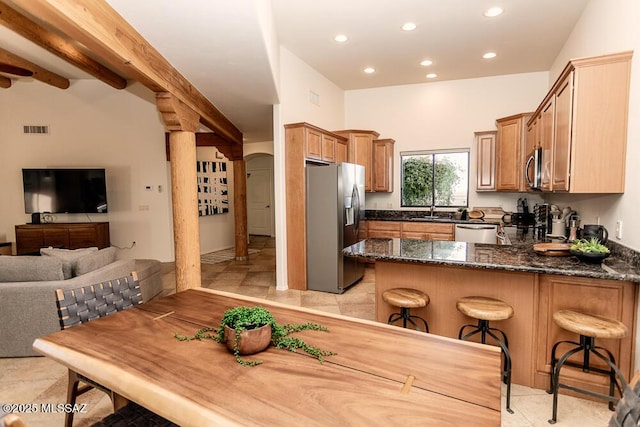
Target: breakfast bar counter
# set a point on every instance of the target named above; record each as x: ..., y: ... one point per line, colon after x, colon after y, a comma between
x: 535, y: 286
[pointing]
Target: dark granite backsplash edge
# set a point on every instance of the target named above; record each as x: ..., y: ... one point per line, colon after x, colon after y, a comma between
x: 629, y: 255
x: 406, y: 214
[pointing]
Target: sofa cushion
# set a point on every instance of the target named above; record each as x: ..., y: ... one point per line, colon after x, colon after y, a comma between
x: 30, y: 269
x: 95, y: 260
x: 68, y: 258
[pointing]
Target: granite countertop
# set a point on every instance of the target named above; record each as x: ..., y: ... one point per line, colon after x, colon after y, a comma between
x: 519, y: 256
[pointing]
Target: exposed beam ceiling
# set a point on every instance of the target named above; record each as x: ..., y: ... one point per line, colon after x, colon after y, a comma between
x: 99, y: 28
x: 57, y: 45
x: 37, y: 72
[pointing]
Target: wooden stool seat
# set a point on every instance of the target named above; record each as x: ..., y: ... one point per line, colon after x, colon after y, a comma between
x: 484, y: 308
x: 405, y: 298
x: 590, y: 325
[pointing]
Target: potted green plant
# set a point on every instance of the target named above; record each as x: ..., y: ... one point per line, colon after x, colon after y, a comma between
x: 248, y: 330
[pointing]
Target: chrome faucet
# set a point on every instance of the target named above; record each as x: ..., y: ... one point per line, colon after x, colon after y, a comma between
x: 431, y: 208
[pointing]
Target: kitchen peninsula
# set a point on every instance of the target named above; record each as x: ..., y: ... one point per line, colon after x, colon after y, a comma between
x: 535, y: 285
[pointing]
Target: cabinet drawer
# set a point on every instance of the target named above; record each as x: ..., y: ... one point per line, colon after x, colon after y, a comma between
x: 383, y: 234
x: 427, y: 227
x: 438, y: 236
x: 56, y: 237
x: 385, y: 226
x: 82, y: 237
x: 28, y: 241
x: 415, y: 235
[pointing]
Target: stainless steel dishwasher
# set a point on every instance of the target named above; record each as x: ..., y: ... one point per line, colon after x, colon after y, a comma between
x: 477, y: 233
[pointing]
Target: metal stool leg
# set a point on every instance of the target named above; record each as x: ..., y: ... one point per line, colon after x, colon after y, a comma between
x: 406, y: 316
x: 586, y: 345
x: 483, y: 329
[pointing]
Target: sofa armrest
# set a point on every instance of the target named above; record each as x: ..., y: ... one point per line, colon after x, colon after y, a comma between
x: 28, y: 309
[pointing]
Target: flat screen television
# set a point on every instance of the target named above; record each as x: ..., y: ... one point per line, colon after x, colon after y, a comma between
x: 64, y: 190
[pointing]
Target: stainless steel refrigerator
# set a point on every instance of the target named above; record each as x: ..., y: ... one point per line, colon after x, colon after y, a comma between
x: 335, y: 208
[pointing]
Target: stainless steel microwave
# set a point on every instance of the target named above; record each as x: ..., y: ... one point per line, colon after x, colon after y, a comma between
x: 533, y: 170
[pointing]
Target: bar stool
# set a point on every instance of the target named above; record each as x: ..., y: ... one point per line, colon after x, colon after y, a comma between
x: 485, y: 309
x: 589, y: 327
x: 406, y: 299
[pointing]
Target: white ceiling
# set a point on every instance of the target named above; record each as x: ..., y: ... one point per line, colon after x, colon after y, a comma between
x: 220, y: 47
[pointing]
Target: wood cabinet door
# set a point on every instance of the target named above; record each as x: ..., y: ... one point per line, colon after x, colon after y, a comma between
x: 360, y: 150
x: 328, y: 148
x: 28, y: 240
x: 382, y: 180
x: 508, y: 153
x: 55, y: 237
x: 341, y: 151
x: 486, y: 161
x: 562, y: 135
x: 82, y: 237
x: 547, y: 135
x: 313, y: 149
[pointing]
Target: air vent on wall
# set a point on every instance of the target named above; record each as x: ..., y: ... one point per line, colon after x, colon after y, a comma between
x: 36, y: 129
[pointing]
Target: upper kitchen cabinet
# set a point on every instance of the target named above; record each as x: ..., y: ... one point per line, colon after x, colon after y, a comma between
x: 314, y: 143
x: 303, y: 143
x: 383, y: 165
x: 511, y: 152
x: 584, y: 126
x: 360, y: 151
x: 486, y: 160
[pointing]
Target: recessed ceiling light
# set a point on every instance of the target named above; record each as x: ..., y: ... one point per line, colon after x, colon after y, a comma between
x: 489, y: 55
x: 369, y: 70
x: 426, y: 62
x: 409, y: 26
x: 432, y: 75
x: 341, y: 38
x: 493, y: 11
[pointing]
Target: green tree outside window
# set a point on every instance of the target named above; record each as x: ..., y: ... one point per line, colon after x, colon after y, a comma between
x: 435, y: 179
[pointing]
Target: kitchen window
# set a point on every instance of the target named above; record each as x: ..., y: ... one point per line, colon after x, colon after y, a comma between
x: 435, y: 178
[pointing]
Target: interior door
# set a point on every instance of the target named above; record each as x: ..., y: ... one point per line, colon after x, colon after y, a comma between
x: 259, y: 205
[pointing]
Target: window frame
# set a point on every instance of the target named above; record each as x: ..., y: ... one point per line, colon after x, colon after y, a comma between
x: 433, y: 153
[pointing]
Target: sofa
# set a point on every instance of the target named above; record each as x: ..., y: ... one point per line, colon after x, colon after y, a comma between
x: 28, y: 283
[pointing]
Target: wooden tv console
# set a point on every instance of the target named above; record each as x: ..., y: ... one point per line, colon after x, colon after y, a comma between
x: 68, y: 235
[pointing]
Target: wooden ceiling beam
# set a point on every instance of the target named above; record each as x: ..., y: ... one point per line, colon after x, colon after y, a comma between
x: 58, y: 46
x: 39, y: 73
x: 5, y: 82
x: 96, y: 25
x: 207, y: 139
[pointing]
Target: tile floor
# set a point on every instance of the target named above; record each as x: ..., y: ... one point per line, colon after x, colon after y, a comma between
x: 39, y: 380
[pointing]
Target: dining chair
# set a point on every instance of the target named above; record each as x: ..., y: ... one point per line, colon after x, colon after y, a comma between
x: 81, y: 305
x: 627, y: 412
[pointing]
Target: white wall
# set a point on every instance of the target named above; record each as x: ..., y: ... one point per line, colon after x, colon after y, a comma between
x: 91, y: 125
x: 94, y: 125
x: 442, y: 115
x: 296, y: 80
x: 606, y: 27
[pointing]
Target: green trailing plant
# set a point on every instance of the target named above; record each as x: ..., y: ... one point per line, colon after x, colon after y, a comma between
x: 246, y: 318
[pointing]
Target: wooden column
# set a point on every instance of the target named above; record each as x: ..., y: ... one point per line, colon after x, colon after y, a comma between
x: 240, y: 208
x: 182, y: 123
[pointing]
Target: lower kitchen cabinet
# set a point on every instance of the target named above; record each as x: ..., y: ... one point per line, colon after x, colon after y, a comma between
x: 384, y: 229
x: 410, y: 230
x: 610, y: 298
x: 427, y: 231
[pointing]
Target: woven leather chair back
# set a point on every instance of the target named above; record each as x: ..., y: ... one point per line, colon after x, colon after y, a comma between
x: 81, y: 305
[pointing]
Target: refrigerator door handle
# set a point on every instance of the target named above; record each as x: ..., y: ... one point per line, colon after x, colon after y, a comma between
x: 356, y: 208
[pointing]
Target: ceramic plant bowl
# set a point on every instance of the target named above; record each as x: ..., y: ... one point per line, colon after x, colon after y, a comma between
x: 251, y: 340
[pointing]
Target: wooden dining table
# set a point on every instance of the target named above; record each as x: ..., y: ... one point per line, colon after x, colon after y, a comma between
x: 380, y: 374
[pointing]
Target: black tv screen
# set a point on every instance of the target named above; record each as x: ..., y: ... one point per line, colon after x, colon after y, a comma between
x: 64, y: 190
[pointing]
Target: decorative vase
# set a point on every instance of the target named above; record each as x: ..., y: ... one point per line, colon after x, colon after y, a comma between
x: 251, y: 340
